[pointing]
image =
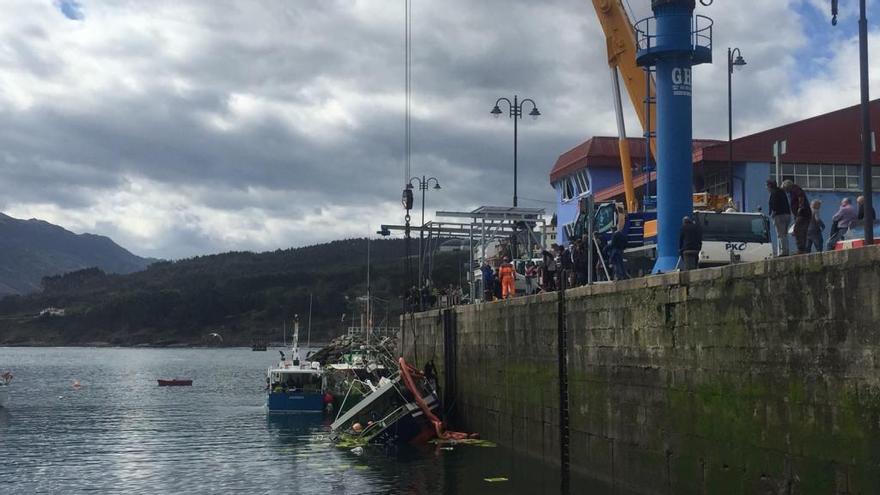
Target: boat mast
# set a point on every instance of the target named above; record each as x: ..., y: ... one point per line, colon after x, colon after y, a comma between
x: 369, y: 295
x: 309, y: 337
x: 295, y: 336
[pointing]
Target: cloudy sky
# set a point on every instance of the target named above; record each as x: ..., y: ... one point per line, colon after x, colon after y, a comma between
x: 185, y: 127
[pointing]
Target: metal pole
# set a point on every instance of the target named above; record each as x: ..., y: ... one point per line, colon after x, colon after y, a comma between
x: 867, y: 186
x: 471, y: 265
x: 730, y: 122
x: 591, y: 264
x: 423, y: 187
x: 516, y: 114
x: 647, y: 171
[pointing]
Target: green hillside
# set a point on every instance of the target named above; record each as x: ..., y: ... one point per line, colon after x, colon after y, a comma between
x: 240, y: 295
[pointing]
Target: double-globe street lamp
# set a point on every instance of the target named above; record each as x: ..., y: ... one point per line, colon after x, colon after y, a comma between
x: 423, y: 183
x: 736, y: 63
x: 516, y: 113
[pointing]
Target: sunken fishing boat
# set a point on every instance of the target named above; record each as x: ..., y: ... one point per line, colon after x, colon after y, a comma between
x: 392, y: 412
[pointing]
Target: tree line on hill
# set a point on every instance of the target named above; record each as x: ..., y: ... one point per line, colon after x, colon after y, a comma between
x: 242, y: 296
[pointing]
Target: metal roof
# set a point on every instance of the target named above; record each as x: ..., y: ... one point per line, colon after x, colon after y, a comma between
x: 496, y: 213
x: 604, y: 151
x: 831, y: 138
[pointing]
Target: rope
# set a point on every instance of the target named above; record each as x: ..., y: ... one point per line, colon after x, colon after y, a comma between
x: 406, y: 373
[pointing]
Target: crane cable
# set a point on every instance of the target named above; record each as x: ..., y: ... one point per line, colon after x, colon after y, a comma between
x: 407, y: 163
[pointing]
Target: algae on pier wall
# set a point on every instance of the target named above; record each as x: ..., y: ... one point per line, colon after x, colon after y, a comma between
x: 752, y: 378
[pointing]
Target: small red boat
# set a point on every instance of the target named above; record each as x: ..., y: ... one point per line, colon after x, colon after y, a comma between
x: 175, y: 383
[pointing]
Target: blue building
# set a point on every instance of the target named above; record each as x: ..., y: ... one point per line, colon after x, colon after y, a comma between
x: 822, y: 155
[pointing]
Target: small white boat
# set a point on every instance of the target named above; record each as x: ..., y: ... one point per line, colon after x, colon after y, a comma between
x: 5, y: 380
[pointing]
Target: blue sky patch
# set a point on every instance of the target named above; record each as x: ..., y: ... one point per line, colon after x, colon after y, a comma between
x: 71, y: 9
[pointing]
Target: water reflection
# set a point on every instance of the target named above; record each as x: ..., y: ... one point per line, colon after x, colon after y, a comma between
x: 4, y: 419
x: 121, y: 433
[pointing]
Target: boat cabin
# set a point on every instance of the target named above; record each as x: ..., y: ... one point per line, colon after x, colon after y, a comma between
x: 299, y: 379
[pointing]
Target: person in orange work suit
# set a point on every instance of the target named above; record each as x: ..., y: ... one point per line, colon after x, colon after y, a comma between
x: 508, y: 284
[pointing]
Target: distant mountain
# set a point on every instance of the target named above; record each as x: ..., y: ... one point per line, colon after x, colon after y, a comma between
x: 33, y: 249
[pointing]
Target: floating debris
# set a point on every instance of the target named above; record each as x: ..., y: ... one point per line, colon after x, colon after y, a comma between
x: 357, y: 450
x: 474, y: 442
x: 495, y: 480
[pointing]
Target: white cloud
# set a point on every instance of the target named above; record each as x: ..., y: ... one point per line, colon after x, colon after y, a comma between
x: 189, y: 127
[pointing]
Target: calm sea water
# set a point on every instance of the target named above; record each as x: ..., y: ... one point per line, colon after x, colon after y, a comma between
x: 121, y: 433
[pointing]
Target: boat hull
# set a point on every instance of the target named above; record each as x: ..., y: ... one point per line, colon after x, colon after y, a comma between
x: 411, y: 429
x: 282, y: 402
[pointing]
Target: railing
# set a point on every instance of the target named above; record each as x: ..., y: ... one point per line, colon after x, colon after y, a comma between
x: 375, y: 332
x: 701, y: 33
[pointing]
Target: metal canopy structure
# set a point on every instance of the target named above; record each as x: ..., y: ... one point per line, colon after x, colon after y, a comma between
x: 487, y: 224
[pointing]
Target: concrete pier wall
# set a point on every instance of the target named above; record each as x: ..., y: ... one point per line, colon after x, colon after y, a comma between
x: 754, y: 378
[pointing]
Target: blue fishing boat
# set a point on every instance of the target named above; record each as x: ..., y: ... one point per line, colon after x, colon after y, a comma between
x: 296, y: 385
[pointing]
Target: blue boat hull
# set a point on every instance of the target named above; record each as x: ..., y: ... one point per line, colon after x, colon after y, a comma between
x: 294, y: 403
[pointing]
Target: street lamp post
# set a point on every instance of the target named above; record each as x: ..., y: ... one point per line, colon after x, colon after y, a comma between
x: 732, y: 63
x: 867, y: 144
x: 423, y: 183
x: 516, y: 113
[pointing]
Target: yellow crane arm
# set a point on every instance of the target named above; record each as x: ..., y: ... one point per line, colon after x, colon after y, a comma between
x: 620, y: 40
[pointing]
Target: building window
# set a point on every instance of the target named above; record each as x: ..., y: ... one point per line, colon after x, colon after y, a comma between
x: 583, y: 182
x: 567, y: 189
x: 824, y: 176
x: 716, y: 185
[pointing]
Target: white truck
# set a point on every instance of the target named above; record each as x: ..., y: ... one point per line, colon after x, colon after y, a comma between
x: 733, y: 238
x: 727, y: 238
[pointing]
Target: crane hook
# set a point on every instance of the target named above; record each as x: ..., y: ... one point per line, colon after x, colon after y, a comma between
x: 833, y: 12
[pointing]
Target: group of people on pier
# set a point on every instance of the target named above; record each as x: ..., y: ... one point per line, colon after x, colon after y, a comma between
x: 789, y: 205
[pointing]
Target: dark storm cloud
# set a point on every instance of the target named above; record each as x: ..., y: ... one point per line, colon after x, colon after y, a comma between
x: 196, y: 126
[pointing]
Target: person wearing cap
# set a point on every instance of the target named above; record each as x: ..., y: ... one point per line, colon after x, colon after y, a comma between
x: 780, y: 211
x: 690, y: 242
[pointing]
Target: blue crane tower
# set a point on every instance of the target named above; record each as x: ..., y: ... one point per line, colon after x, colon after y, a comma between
x: 672, y: 42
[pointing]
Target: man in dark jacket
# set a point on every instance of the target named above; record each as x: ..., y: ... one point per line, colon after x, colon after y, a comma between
x: 488, y: 282
x: 800, y: 208
x: 861, y: 202
x: 614, y: 254
x: 780, y: 212
x: 690, y: 242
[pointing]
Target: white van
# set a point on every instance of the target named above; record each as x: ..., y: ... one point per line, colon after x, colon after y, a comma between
x: 733, y: 237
